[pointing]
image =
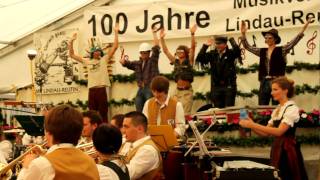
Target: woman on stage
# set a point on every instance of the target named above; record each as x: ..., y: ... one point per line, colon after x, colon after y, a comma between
x: 183, y: 61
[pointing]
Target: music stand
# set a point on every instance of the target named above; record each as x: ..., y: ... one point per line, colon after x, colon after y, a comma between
x: 163, y: 136
x: 32, y: 124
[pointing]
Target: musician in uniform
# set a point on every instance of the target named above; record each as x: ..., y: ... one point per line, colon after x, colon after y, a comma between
x: 63, y: 126
x: 117, y: 121
x: 142, y: 155
x: 161, y: 109
x: 107, y: 140
x: 285, y: 151
x: 91, y: 120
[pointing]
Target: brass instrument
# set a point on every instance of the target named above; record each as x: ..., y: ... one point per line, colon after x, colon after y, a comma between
x: 6, y: 170
x: 85, y: 146
x: 89, y: 150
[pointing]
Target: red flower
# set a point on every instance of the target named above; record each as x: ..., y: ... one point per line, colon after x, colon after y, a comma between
x: 316, y: 112
x: 236, y: 120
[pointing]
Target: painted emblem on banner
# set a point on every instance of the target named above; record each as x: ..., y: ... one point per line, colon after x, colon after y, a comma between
x: 55, y: 71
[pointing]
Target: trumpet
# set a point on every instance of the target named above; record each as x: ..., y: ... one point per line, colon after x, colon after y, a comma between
x: 85, y: 146
x: 6, y: 170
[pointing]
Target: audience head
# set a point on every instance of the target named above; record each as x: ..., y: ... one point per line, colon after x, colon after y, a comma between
x: 135, y: 126
x: 107, y: 139
x: 160, y: 87
x: 63, y: 124
x: 91, y: 120
x: 117, y: 121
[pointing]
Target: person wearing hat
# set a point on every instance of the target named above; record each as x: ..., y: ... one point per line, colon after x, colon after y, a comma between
x: 98, y: 77
x: 272, y: 59
x: 145, y: 69
x: 222, y: 63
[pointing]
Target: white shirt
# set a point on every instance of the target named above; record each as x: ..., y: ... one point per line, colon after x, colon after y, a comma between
x: 26, y: 139
x: 40, y: 168
x: 145, y: 159
x: 6, y: 149
x: 97, y: 72
x: 179, y: 118
x: 2, y: 158
x: 291, y: 115
x: 107, y: 173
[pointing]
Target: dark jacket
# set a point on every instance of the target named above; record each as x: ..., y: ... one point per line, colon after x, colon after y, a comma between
x: 223, y: 69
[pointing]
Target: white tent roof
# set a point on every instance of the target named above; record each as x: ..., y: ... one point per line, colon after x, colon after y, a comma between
x: 19, y: 18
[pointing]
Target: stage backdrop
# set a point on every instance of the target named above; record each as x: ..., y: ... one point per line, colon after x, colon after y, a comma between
x: 54, y: 71
x: 219, y: 17
x: 212, y: 17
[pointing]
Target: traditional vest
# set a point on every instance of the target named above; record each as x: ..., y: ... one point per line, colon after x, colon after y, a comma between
x: 71, y: 163
x: 153, y: 174
x: 168, y: 112
x: 277, y: 64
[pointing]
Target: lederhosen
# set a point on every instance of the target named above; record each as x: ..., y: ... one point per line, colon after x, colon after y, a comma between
x: 122, y: 175
x: 286, y: 155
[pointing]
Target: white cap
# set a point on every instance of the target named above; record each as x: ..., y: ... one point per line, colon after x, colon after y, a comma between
x: 145, y: 47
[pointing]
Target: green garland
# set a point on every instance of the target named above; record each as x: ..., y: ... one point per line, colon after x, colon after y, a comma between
x: 120, y: 103
x: 313, y: 139
x: 240, y: 70
x: 299, y: 89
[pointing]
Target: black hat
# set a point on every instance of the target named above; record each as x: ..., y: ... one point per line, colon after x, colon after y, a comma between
x: 274, y: 33
x: 220, y: 39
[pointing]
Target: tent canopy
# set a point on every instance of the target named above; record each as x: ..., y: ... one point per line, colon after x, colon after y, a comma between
x: 22, y: 17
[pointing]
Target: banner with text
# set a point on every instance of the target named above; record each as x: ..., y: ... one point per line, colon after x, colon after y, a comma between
x: 212, y: 17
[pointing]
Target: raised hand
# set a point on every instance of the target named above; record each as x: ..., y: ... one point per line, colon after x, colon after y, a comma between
x: 116, y: 28
x: 243, y: 28
x: 306, y: 25
x: 154, y: 29
x: 209, y: 42
x: 74, y: 36
x: 162, y: 33
x: 193, y: 29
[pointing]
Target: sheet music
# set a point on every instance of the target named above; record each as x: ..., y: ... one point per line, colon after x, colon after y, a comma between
x: 199, y: 138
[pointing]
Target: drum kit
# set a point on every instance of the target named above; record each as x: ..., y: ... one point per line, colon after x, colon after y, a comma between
x: 198, y: 160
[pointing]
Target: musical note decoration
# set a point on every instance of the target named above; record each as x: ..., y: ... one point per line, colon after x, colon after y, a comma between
x: 242, y: 49
x: 292, y: 51
x: 254, y: 41
x: 311, y: 45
